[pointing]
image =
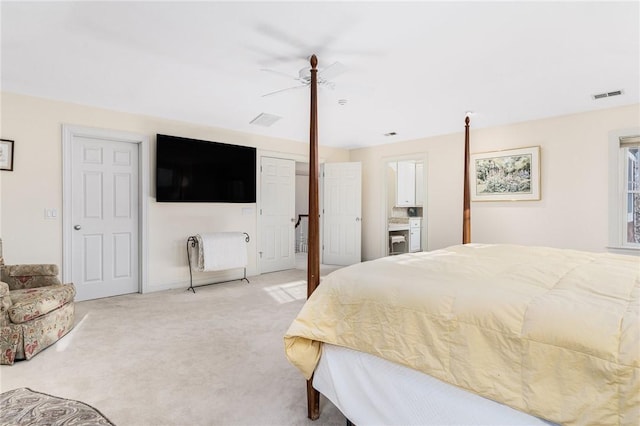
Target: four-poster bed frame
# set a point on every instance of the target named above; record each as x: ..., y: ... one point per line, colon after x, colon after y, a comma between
x: 511, y: 327
x: 313, y: 268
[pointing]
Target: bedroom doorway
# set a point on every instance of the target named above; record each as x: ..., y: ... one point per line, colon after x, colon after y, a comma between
x: 341, y: 207
x: 345, y: 246
x: 277, y: 214
x: 302, y: 213
x: 104, y: 185
x: 405, y: 205
x: 339, y: 192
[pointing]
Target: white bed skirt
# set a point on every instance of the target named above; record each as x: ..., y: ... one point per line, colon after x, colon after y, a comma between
x: 371, y: 391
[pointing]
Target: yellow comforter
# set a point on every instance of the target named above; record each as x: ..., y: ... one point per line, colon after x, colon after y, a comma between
x: 551, y: 332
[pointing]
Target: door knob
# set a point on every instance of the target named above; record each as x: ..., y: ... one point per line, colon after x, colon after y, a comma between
x: 77, y: 227
x: 357, y: 219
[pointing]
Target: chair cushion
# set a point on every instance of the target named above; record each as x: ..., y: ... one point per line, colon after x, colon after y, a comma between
x: 31, y: 303
x: 35, y: 270
x: 29, y: 276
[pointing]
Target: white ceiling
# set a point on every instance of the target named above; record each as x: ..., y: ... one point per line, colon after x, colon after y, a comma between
x: 414, y: 68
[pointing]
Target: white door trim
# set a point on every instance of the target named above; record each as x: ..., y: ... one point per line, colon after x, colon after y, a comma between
x: 68, y: 133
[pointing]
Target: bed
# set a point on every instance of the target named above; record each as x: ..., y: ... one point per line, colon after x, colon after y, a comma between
x: 549, y: 334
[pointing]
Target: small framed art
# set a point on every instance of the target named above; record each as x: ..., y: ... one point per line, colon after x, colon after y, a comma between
x: 510, y: 175
x: 6, y: 154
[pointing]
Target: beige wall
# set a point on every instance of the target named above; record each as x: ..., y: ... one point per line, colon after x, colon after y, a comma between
x: 36, y: 183
x: 572, y: 212
x: 574, y: 176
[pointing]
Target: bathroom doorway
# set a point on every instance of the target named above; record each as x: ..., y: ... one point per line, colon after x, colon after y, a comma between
x: 405, y: 205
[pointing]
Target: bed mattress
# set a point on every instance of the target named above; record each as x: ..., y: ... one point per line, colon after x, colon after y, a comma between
x: 369, y: 390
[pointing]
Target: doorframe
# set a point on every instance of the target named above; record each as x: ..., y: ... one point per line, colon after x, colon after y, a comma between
x: 142, y: 141
x: 273, y: 154
x: 384, y: 240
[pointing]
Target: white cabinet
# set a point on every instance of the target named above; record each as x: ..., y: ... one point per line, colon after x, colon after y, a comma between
x: 415, y: 235
x: 406, y: 184
x: 409, y: 183
x: 414, y: 240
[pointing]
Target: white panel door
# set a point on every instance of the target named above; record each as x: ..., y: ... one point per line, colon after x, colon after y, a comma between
x: 277, y: 214
x: 104, y: 217
x: 342, y: 213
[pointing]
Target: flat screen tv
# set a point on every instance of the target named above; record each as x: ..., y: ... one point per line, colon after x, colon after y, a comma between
x: 191, y: 170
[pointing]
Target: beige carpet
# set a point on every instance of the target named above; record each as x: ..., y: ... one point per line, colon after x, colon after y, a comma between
x: 177, y: 358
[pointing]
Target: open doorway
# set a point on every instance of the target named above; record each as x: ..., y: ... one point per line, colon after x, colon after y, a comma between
x: 340, y: 213
x: 302, y: 214
x: 405, y: 206
x: 284, y: 233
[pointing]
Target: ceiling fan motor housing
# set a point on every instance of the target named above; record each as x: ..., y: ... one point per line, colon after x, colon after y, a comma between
x: 305, y: 74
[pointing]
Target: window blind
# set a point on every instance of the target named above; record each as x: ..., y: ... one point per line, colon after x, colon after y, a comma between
x: 626, y: 141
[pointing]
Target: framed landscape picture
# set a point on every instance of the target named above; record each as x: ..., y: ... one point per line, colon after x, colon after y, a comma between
x: 510, y: 175
x: 6, y: 154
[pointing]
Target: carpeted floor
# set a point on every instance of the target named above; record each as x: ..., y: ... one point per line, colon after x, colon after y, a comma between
x: 24, y: 406
x: 177, y: 358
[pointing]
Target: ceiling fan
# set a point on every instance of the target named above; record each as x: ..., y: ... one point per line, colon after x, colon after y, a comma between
x: 324, y: 77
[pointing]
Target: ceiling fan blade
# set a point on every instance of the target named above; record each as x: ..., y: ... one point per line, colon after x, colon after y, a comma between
x: 282, y: 74
x: 332, y: 71
x: 283, y: 37
x: 284, y: 90
x: 327, y: 42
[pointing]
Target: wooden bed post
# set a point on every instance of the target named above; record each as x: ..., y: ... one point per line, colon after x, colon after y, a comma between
x: 313, y: 256
x: 466, y: 209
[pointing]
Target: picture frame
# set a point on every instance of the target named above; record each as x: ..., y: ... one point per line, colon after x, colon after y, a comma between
x: 509, y: 175
x: 6, y: 154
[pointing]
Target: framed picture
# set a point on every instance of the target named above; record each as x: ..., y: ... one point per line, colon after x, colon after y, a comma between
x: 6, y: 154
x: 510, y: 175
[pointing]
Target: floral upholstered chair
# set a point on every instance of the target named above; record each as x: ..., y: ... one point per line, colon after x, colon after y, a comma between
x: 35, y: 310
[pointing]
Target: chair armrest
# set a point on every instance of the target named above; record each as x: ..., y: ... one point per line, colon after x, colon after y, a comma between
x: 29, y: 276
x: 5, y: 304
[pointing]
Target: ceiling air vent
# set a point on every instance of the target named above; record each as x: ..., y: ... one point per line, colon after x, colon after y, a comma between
x: 607, y: 94
x: 265, y: 120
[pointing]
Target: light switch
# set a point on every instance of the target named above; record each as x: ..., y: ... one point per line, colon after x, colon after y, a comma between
x: 246, y: 211
x: 51, y: 213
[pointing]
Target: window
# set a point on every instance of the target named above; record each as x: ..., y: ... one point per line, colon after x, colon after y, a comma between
x: 624, y: 190
x: 630, y: 166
